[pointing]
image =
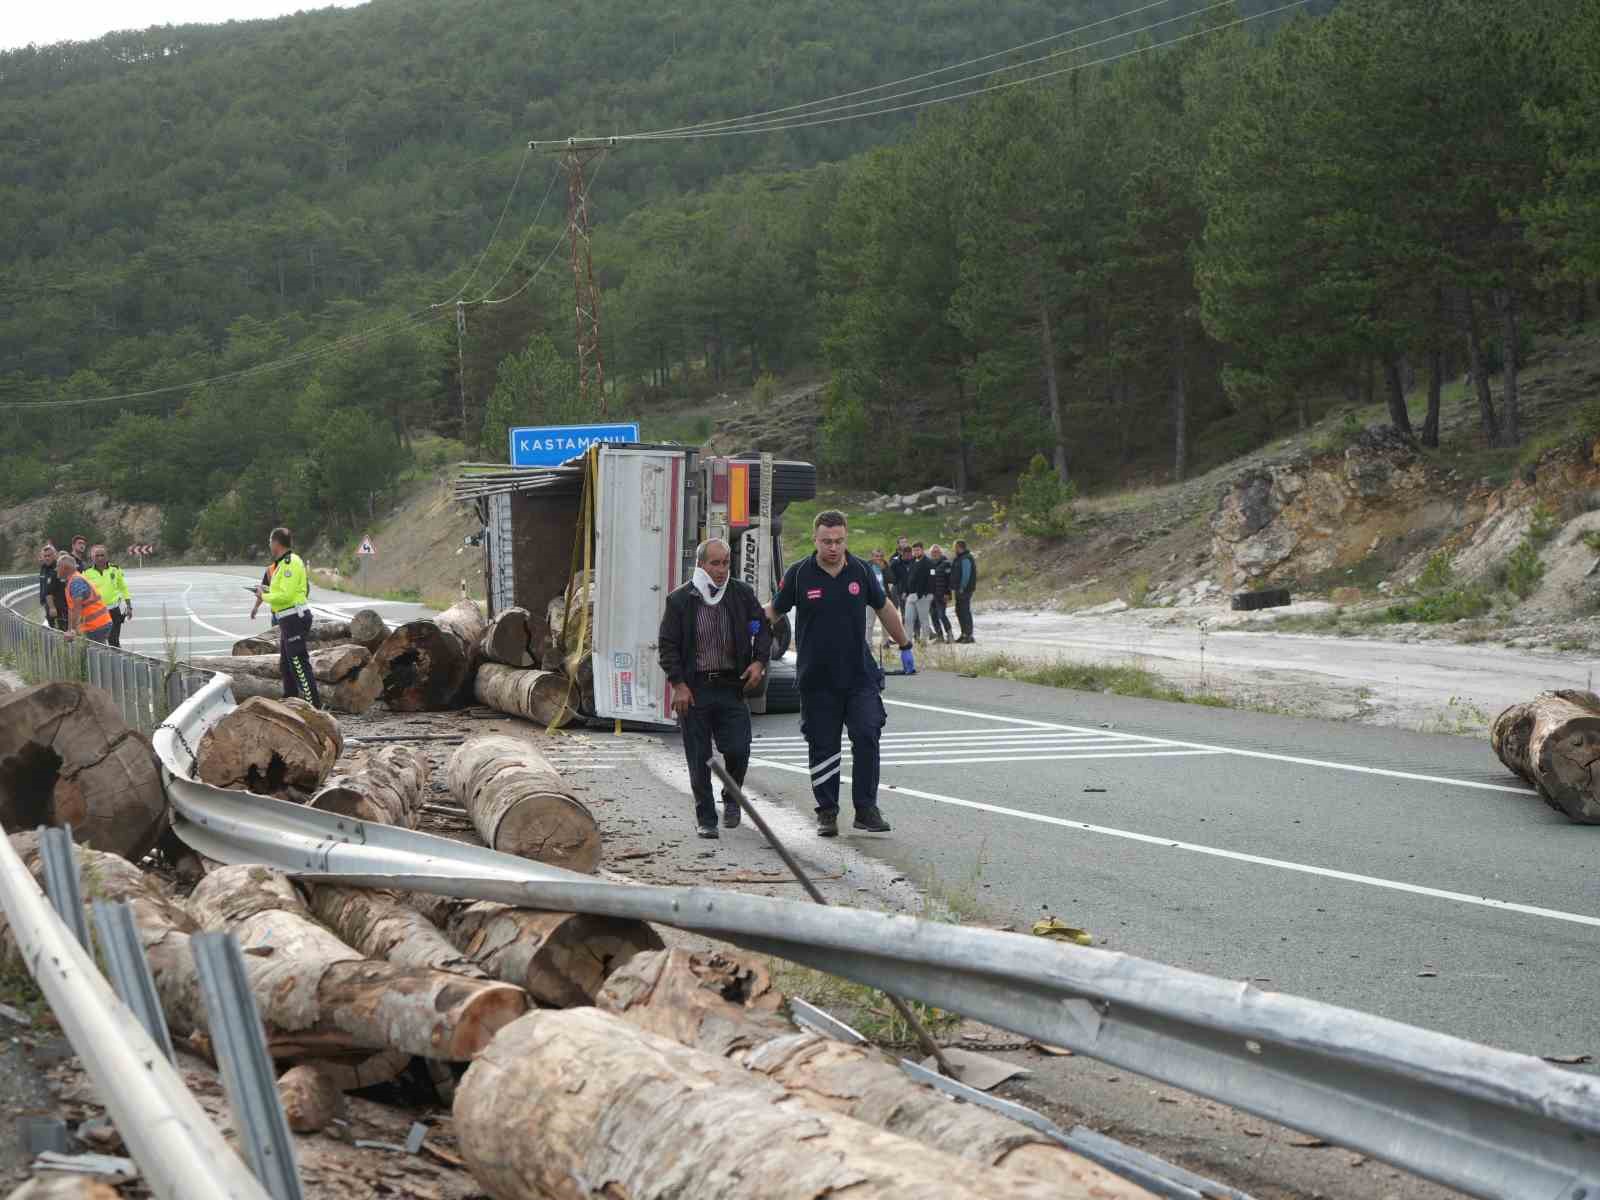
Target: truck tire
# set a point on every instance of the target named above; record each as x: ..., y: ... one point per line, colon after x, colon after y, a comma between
x: 790, y: 481
x: 782, y: 636
x: 783, y: 688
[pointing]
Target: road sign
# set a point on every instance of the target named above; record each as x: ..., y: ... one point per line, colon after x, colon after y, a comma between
x: 552, y: 445
x: 139, y: 550
x: 366, y: 545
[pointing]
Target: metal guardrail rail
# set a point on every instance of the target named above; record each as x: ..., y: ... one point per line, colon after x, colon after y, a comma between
x: 146, y: 690
x: 1492, y: 1123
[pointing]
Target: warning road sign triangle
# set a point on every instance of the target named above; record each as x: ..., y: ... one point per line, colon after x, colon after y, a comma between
x: 366, y: 545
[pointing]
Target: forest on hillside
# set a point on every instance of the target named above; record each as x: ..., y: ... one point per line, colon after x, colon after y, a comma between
x: 1128, y: 262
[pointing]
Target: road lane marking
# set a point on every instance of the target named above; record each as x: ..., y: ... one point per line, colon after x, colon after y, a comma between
x: 205, y: 625
x: 1271, y: 756
x: 889, y: 760
x: 1394, y: 885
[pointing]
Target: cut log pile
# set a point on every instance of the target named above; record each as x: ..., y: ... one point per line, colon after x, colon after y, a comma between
x: 347, y: 679
x: 1553, y: 742
x: 365, y: 629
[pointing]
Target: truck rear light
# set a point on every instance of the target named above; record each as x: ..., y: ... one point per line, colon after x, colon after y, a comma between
x: 739, y: 495
x: 719, y: 481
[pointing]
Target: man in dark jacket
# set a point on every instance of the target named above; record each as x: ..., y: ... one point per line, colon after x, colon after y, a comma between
x: 963, y: 582
x: 52, y: 590
x: 713, y: 645
x: 939, y: 579
x: 918, y: 608
x: 900, y: 573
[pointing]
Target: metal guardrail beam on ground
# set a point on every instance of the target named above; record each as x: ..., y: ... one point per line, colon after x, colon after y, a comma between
x: 1494, y: 1124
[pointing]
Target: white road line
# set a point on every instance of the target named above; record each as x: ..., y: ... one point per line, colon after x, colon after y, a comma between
x: 204, y: 625
x: 1266, y: 754
x: 10, y: 596
x: 1394, y: 885
x: 892, y: 733
x: 933, y: 737
x: 890, y: 760
x: 1048, y: 743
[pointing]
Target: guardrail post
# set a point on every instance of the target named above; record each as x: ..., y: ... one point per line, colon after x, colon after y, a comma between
x: 130, y: 971
x: 241, y: 1048
x: 61, y: 879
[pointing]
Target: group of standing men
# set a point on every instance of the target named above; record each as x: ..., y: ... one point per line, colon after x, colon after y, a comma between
x: 715, y: 638
x: 921, y: 583
x: 83, y: 593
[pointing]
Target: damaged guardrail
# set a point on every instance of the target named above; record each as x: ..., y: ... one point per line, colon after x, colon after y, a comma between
x: 1489, y: 1122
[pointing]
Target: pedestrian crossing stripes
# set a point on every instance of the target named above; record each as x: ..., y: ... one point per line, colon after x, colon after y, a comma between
x: 1017, y: 744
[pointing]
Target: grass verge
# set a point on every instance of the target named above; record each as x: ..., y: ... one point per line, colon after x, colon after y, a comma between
x: 1110, y: 678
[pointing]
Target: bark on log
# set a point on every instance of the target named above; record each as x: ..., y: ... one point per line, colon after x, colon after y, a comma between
x: 726, y: 1006
x: 653, y: 1120
x: 428, y: 665
x: 367, y: 629
x: 347, y: 681
x: 560, y: 959
x: 508, y: 639
x: 311, y: 1098
x: 382, y: 926
x: 384, y: 785
x: 326, y: 997
x: 68, y: 758
x: 538, y: 696
x: 270, y: 747
x: 54, y: 1185
x: 519, y: 805
x: 1552, y: 742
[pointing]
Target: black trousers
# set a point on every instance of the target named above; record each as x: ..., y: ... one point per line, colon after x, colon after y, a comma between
x: 59, y: 621
x: 825, y: 713
x: 941, y: 618
x: 964, y: 612
x: 719, y: 716
x: 294, y: 660
x: 116, y: 628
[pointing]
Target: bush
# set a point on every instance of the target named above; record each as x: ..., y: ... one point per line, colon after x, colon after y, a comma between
x: 1438, y: 574
x: 1543, y: 525
x: 1042, y: 503
x: 766, y: 390
x: 67, y: 517
x: 1455, y: 604
x: 1524, y: 569
x: 23, y: 478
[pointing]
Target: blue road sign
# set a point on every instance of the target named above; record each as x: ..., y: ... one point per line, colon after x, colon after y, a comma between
x: 552, y: 445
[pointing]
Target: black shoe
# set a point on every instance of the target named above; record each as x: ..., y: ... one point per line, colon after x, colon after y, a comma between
x: 708, y: 831
x: 871, y: 820
x: 828, y: 824
x: 730, y: 814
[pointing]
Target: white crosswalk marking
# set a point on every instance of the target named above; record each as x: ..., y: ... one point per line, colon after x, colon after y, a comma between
x: 955, y: 746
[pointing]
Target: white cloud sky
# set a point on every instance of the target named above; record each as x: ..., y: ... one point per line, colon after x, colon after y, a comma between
x: 84, y: 20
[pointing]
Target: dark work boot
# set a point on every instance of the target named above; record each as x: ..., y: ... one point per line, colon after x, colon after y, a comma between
x: 708, y: 831
x: 828, y: 823
x: 871, y: 820
x: 730, y: 814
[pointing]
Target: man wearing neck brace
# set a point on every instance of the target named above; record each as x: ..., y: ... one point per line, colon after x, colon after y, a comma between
x: 713, y: 646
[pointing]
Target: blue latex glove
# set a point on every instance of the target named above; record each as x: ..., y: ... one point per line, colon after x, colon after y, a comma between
x: 908, y: 664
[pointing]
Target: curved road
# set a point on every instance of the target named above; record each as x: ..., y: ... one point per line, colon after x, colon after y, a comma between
x: 204, y: 610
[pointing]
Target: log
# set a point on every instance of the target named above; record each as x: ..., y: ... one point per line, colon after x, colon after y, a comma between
x: 384, y: 785
x: 324, y: 996
x: 1552, y: 742
x: 68, y: 758
x: 353, y: 696
x: 559, y: 959
x: 427, y: 665
x: 311, y: 1098
x: 346, y: 679
x: 54, y: 1185
x: 537, y: 696
x: 365, y: 629
x: 725, y: 1005
x: 509, y: 638
x: 565, y: 1096
x: 382, y: 926
x: 519, y: 805
x: 270, y: 747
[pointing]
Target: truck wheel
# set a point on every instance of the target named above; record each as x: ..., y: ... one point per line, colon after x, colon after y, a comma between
x: 790, y: 481
x: 783, y: 688
x: 782, y: 635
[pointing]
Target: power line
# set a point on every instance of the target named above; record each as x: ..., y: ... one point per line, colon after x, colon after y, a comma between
x: 777, y: 127
x: 512, y: 261
x: 539, y: 270
x: 772, y: 112
x: 504, y: 209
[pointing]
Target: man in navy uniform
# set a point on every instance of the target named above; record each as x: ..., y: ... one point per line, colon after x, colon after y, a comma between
x: 840, y: 684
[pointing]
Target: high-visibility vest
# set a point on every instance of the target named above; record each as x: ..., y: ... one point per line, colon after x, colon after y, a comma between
x: 92, y: 613
x: 111, y: 585
x: 290, y: 589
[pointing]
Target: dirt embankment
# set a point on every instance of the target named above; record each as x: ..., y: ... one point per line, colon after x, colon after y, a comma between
x: 420, y: 551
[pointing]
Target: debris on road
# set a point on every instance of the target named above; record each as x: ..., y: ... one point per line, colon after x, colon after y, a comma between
x: 347, y: 680
x: 520, y: 805
x: 282, y: 748
x: 1550, y: 742
x: 1054, y: 927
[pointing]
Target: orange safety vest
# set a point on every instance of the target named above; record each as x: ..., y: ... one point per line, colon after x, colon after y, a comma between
x: 93, y: 612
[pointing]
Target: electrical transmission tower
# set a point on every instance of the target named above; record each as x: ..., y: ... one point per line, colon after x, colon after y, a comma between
x: 586, y: 296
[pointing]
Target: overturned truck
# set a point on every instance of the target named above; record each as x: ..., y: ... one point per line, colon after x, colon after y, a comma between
x: 586, y: 553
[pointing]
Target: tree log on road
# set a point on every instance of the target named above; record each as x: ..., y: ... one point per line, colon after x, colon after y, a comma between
x: 68, y: 758
x: 560, y: 959
x: 311, y: 1098
x: 382, y: 926
x: 726, y: 1006
x: 383, y: 785
x: 325, y: 997
x: 426, y: 665
x: 281, y: 748
x: 519, y: 805
x: 346, y: 679
x: 1553, y: 741
x: 508, y: 639
x: 538, y: 696
x: 366, y: 629
x: 583, y: 1095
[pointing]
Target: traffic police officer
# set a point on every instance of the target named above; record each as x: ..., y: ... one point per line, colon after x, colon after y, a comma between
x: 112, y: 585
x: 288, y: 595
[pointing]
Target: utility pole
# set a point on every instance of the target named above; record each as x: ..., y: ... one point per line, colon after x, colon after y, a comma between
x: 586, y: 297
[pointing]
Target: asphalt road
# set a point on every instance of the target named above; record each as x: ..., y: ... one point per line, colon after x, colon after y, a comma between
x: 1403, y: 874
x: 206, y: 609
